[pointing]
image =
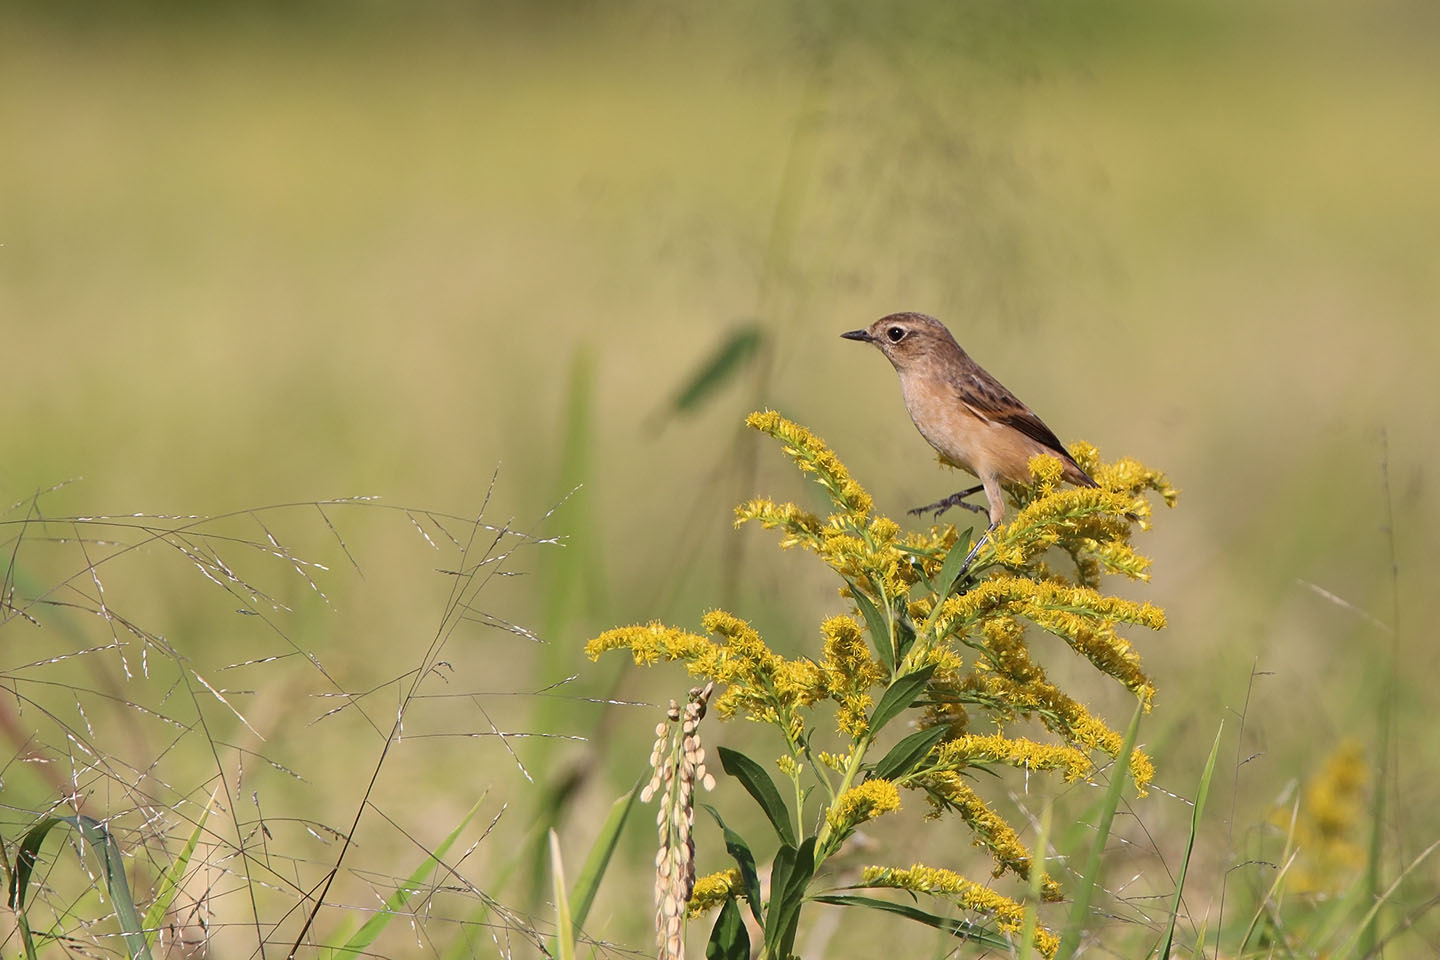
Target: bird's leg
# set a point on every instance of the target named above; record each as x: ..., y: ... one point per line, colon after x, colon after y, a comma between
x: 954, y: 500
x: 970, y: 558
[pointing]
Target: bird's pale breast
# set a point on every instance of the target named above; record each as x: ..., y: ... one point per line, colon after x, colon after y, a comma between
x: 983, y: 447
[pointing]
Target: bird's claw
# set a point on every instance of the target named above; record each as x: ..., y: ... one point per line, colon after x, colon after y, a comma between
x: 940, y: 506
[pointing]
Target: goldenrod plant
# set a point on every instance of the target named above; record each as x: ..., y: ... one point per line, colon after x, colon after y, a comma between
x: 929, y: 646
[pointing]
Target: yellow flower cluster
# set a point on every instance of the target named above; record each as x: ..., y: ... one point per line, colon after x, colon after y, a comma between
x: 861, y: 804
x: 918, y: 878
x: 811, y: 455
x: 714, y: 889
x: 760, y: 683
x: 1082, y: 616
x: 948, y: 790
x: 848, y: 666
x: 1008, y: 698
x: 1330, y: 811
x: 1018, y: 752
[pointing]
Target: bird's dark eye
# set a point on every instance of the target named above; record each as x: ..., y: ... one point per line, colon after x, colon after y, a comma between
x: 896, y: 334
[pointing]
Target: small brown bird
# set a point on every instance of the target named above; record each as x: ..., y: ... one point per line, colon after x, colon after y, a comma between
x: 963, y: 412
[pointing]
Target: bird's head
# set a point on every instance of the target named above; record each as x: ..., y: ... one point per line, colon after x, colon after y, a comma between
x: 907, y: 339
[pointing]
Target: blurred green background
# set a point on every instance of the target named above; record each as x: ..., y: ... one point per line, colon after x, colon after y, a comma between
x: 258, y: 255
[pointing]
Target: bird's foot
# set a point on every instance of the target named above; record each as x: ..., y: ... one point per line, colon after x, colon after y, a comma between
x: 954, y: 500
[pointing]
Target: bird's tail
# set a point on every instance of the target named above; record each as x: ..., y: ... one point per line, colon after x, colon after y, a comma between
x: 1077, y: 476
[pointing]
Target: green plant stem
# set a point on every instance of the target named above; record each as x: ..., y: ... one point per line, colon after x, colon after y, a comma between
x: 852, y: 768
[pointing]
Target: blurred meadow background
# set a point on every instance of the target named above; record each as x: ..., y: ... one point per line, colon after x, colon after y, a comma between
x: 472, y: 259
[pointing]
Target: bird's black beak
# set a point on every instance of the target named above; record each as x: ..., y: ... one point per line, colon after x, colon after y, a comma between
x: 861, y: 335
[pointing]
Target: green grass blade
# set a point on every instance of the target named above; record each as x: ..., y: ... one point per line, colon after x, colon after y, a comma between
x: 564, y: 923
x: 723, y: 364
x: 1075, y: 926
x: 1037, y: 874
x: 361, y: 940
x: 98, y: 836
x: 1269, y: 896
x: 25, y: 857
x: 582, y: 895
x: 170, y: 882
x: 1195, y: 814
x: 1359, y: 933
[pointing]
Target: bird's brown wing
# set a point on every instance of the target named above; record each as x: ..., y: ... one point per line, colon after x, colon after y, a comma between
x: 989, y: 400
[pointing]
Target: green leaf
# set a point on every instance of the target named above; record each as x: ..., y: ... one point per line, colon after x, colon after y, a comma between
x: 724, y: 362
x: 950, y: 569
x: 879, y: 631
x: 1195, y: 814
x: 25, y: 857
x: 170, y: 882
x: 360, y: 941
x: 757, y: 782
x: 904, y: 636
x: 740, y: 852
x: 582, y: 895
x: 564, y: 923
x: 97, y: 835
x: 962, y: 929
x: 1075, y: 925
x: 899, y: 696
x: 728, y: 940
x: 944, y: 583
x: 904, y: 756
x: 789, y: 876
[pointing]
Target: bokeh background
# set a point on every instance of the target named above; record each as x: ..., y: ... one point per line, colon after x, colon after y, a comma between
x: 261, y: 255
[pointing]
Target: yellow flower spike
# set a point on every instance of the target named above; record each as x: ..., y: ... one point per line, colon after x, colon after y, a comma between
x: 650, y: 643
x: 918, y: 878
x: 811, y: 455
x: 861, y: 804
x: 1018, y: 752
x: 714, y: 889
x: 847, y: 667
x: 948, y: 790
x: 853, y: 717
x: 801, y: 526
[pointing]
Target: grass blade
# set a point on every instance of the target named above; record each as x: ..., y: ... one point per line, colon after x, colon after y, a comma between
x: 582, y: 895
x: 1075, y: 926
x: 1195, y: 814
x: 170, y: 882
x: 726, y: 361
x: 564, y: 925
x: 1037, y: 874
x: 361, y: 940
